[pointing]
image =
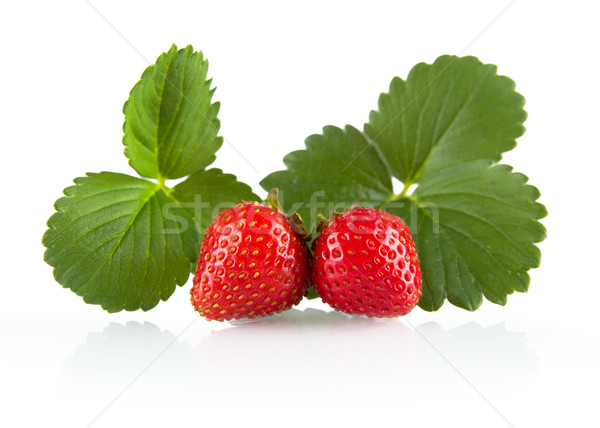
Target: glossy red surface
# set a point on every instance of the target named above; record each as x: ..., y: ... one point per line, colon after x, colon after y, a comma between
x: 251, y: 264
x: 365, y: 263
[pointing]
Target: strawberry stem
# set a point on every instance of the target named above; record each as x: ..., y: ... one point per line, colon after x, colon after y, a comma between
x: 323, y: 222
x: 294, y: 220
x: 273, y: 199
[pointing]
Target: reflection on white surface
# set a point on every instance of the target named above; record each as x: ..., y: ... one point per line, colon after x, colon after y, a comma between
x: 325, y: 358
x: 121, y: 351
x: 122, y: 370
x: 308, y: 345
x: 303, y: 347
x: 492, y: 353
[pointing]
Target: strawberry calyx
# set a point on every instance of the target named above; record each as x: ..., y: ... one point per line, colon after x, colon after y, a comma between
x: 295, y: 220
x: 324, y: 221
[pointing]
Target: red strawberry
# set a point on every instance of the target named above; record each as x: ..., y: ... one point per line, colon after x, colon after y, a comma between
x: 365, y: 263
x: 252, y: 263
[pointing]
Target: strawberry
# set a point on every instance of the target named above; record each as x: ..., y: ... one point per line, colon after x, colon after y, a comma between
x: 365, y: 263
x: 252, y: 263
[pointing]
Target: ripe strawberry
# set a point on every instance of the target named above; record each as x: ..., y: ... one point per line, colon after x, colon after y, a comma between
x: 252, y: 263
x: 365, y: 263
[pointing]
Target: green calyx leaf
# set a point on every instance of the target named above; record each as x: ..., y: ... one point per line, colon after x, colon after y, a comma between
x: 171, y: 124
x: 475, y: 224
x: 125, y: 242
x: 120, y: 241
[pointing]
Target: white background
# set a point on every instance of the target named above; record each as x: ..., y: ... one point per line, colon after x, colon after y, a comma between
x: 284, y: 70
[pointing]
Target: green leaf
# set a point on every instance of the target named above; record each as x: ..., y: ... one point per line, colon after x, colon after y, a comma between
x: 453, y: 111
x: 125, y: 242
x: 323, y: 178
x: 205, y: 193
x: 474, y: 227
x: 171, y: 123
x: 120, y: 242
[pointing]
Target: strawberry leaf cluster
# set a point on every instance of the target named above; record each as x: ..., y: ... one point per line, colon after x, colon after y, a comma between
x: 441, y: 132
x: 125, y: 242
